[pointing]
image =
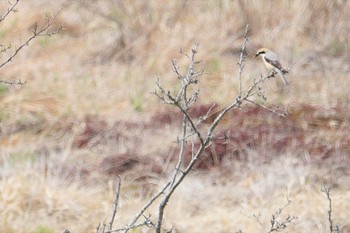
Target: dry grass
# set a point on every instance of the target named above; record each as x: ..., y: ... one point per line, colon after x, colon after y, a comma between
x: 86, y: 114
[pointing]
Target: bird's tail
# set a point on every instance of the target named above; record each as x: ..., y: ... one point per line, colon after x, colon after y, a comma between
x: 281, y: 72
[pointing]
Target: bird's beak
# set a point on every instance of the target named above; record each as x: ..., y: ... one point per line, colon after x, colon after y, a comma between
x: 257, y: 54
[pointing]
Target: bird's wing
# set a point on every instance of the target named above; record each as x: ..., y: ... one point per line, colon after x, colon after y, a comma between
x: 272, y: 59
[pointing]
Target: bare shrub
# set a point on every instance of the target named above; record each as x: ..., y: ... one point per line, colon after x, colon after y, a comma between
x: 10, y: 51
x: 194, y: 135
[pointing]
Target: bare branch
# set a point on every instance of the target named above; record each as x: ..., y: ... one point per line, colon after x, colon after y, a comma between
x: 278, y: 226
x: 150, y: 202
x: 19, y: 82
x: 176, y: 69
x: 242, y: 59
x: 37, y: 31
x: 182, y: 151
x: 164, y: 95
x: 193, y: 125
x: 147, y: 222
x: 206, y: 116
x: 181, y: 100
x: 281, y: 114
x: 9, y: 10
x: 115, y: 206
x: 327, y: 191
x: 254, y: 89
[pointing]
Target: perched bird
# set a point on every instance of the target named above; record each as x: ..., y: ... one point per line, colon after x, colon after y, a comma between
x: 272, y: 63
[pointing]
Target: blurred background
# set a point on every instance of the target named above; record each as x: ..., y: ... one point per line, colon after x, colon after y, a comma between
x: 86, y: 114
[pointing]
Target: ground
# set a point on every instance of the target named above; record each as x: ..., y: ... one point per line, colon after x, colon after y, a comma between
x: 86, y: 115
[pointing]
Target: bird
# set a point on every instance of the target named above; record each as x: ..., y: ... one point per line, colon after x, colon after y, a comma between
x: 271, y: 62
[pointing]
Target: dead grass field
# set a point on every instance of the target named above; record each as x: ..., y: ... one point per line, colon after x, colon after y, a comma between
x: 86, y: 115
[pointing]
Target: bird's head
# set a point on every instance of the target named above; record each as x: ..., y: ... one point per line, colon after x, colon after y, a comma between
x: 261, y: 52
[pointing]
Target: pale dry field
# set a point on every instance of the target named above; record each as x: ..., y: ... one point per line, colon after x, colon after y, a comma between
x: 86, y: 115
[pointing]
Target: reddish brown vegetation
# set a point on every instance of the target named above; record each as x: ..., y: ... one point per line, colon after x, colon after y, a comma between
x: 245, y: 130
x: 92, y: 128
x: 120, y: 163
x: 117, y: 164
x: 254, y: 129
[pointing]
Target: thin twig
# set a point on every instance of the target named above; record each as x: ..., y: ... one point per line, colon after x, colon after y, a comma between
x: 193, y: 125
x: 206, y: 116
x: 9, y: 10
x: 281, y: 114
x: 115, y: 205
x: 278, y: 226
x: 327, y: 191
x: 150, y: 202
x: 182, y: 151
x: 147, y: 222
x: 182, y: 95
x: 253, y: 89
x: 241, y: 60
x: 19, y: 82
x: 36, y: 32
